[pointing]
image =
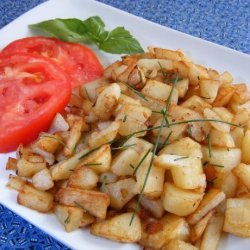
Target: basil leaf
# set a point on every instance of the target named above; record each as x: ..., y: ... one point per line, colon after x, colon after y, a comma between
x: 91, y: 30
x: 70, y: 30
x: 121, y: 41
x: 94, y: 27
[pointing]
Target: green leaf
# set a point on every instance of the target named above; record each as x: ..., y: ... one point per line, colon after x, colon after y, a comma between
x: 94, y: 27
x: 71, y: 30
x: 120, y: 41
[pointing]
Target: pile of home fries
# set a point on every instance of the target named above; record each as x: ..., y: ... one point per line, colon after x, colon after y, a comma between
x: 156, y: 152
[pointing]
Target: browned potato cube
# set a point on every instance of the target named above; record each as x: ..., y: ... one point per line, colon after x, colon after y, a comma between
x: 237, y: 217
x: 83, y: 177
x: 28, y: 169
x: 11, y: 164
x: 121, y: 192
x: 180, y: 201
x: 70, y: 217
x: 42, y: 180
x: 96, y: 203
x: 179, y: 245
x: 210, y: 201
x: 118, y: 228
x: 155, y: 234
x: 35, y: 199
x: 211, y: 236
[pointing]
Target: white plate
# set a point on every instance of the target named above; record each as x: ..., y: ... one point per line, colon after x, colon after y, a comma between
x: 147, y: 33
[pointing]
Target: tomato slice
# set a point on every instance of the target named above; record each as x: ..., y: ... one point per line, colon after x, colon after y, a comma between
x: 76, y: 60
x: 32, y: 90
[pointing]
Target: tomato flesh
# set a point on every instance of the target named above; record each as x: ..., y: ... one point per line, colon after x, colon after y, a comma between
x: 32, y: 90
x: 78, y: 61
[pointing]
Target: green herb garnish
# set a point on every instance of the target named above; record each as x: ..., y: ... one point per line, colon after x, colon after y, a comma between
x: 83, y: 137
x: 124, y: 118
x: 209, y: 146
x: 53, y: 137
x: 82, y: 207
x: 217, y: 165
x: 141, y: 161
x: 138, y: 93
x: 181, y: 158
x: 104, y: 181
x: 66, y: 220
x: 92, y: 164
x: 162, y: 70
x: 123, y: 147
x: 91, y: 30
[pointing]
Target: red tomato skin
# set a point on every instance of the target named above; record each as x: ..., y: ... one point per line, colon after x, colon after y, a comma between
x: 49, y: 97
x: 77, y: 60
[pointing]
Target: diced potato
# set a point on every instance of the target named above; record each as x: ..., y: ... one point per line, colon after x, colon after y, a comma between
x: 63, y: 169
x: 196, y: 73
x: 154, y: 185
x: 199, y: 130
x: 196, y: 103
x: 228, y: 158
x: 242, y: 171
x: 118, y: 228
x: 241, y: 117
x: 47, y: 142
x: 160, y: 91
x: 182, y: 87
x: 107, y: 101
x: 124, y: 99
x: 245, y: 147
x: 200, y: 226
x: 151, y: 64
x: 226, y: 77
x: 241, y: 94
x: 179, y: 201
x: 173, y: 55
x: 108, y: 177
x: 83, y: 177
x: 226, y: 182
x: 16, y: 182
x: 187, y: 172
x: 210, y: 114
x: 100, y: 159
x: 107, y: 71
x: 42, y: 180
x: 182, y: 68
x: 86, y: 220
x: 179, y: 245
x: 35, y: 199
x: 140, y: 146
x: 136, y: 112
x: 221, y: 139
x: 237, y: 217
x: 242, y: 191
x: 69, y: 217
x: 211, y: 236
x: 238, y: 135
x: 58, y: 124
x: 210, y: 201
x: 223, y: 113
x: 74, y: 136
x: 121, y: 192
x: 104, y: 136
x: 121, y: 164
x: 224, y: 95
x: 170, y: 227
x: 28, y: 169
x: 131, y: 126
x: 95, y: 203
x: 176, y: 131
x: 11, y: 164
x: 184, y: 147
x: 209, y: 89
x: 154, y: 207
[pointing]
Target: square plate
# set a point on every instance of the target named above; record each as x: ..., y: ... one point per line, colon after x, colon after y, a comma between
x: 147, y: 33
